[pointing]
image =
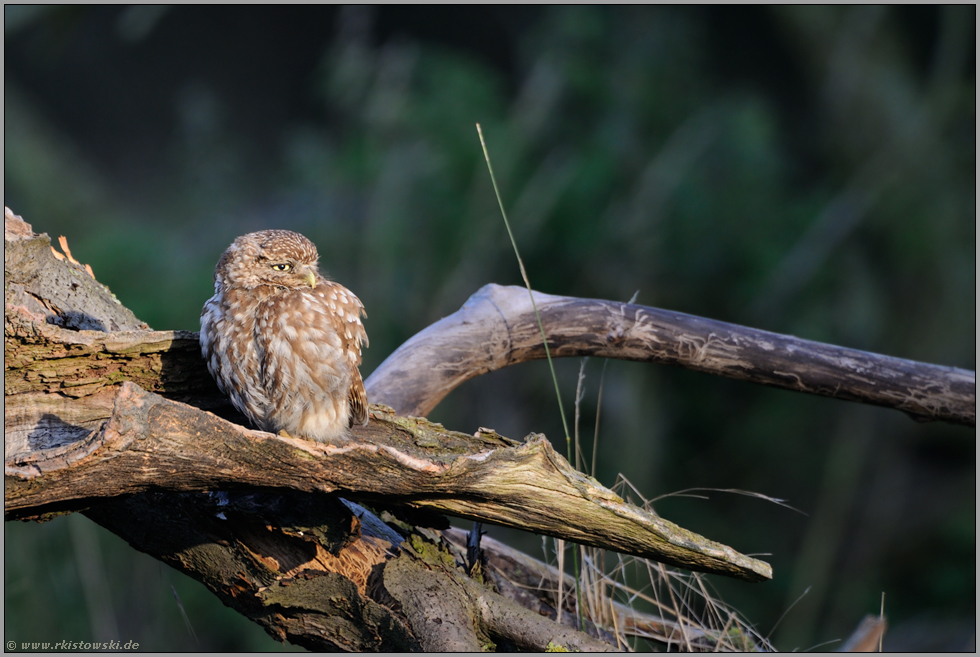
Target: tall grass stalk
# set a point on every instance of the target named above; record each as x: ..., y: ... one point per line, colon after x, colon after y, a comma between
x: 544, y: 339
x: 579, y: 392
x: 720, y: 627
x: 527, y: 283
x: 598, y: 410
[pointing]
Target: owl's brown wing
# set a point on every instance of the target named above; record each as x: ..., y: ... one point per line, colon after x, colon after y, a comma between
x: 357, y: 399
x: 348, y: 309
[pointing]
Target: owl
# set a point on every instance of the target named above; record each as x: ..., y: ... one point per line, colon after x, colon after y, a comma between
x: 282, y: 341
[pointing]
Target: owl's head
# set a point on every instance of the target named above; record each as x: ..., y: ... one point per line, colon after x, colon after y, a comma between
x: 269, y: 257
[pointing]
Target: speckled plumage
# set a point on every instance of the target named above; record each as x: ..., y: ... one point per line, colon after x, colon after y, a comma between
x: 282, y: 341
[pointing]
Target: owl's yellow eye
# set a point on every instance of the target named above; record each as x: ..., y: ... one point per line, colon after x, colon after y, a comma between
x: 282, y: 267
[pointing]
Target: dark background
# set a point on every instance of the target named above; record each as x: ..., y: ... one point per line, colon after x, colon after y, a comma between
x: 807, y: 170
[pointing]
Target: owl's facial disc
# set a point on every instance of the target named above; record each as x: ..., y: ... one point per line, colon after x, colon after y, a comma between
x: 306, y: 274
x: 290, y: 274
x: 280, y: 258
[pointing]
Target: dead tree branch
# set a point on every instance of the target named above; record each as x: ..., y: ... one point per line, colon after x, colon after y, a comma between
x: 111, y: 423
x: 105, y: 416
x: 152, y: 444
x: 535, y: 584
x: 496, y: 327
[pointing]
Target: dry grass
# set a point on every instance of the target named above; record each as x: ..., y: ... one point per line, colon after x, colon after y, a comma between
x: 687, y: 616
x: 635, y: 599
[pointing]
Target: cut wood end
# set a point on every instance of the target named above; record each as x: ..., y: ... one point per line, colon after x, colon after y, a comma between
x: 14, y: 227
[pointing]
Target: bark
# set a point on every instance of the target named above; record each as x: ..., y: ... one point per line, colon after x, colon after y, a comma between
x: 59, y: 290
x: 112, y: 424
x: 321, y: 573
x: 497, y: 327
x: 302, y: 567
x: 150, y: 443
x: 127, y: 426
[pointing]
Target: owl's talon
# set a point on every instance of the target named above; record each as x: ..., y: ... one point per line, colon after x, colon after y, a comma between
x: 284, y: 433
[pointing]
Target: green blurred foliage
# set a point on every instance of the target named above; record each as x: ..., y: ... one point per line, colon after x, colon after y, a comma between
x: 835, y: 204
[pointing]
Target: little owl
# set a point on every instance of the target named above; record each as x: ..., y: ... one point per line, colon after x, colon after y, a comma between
x: 282, y: 341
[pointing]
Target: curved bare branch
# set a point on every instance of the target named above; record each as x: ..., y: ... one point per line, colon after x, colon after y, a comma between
x: 496, y: 327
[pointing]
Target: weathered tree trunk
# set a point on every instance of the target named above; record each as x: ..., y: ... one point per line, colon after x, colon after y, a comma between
x: 107, y: 417
x: 152, y: 444
x: 83, y: 433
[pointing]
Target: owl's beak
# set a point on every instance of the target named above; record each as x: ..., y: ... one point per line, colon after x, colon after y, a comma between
x: 310, y: 277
